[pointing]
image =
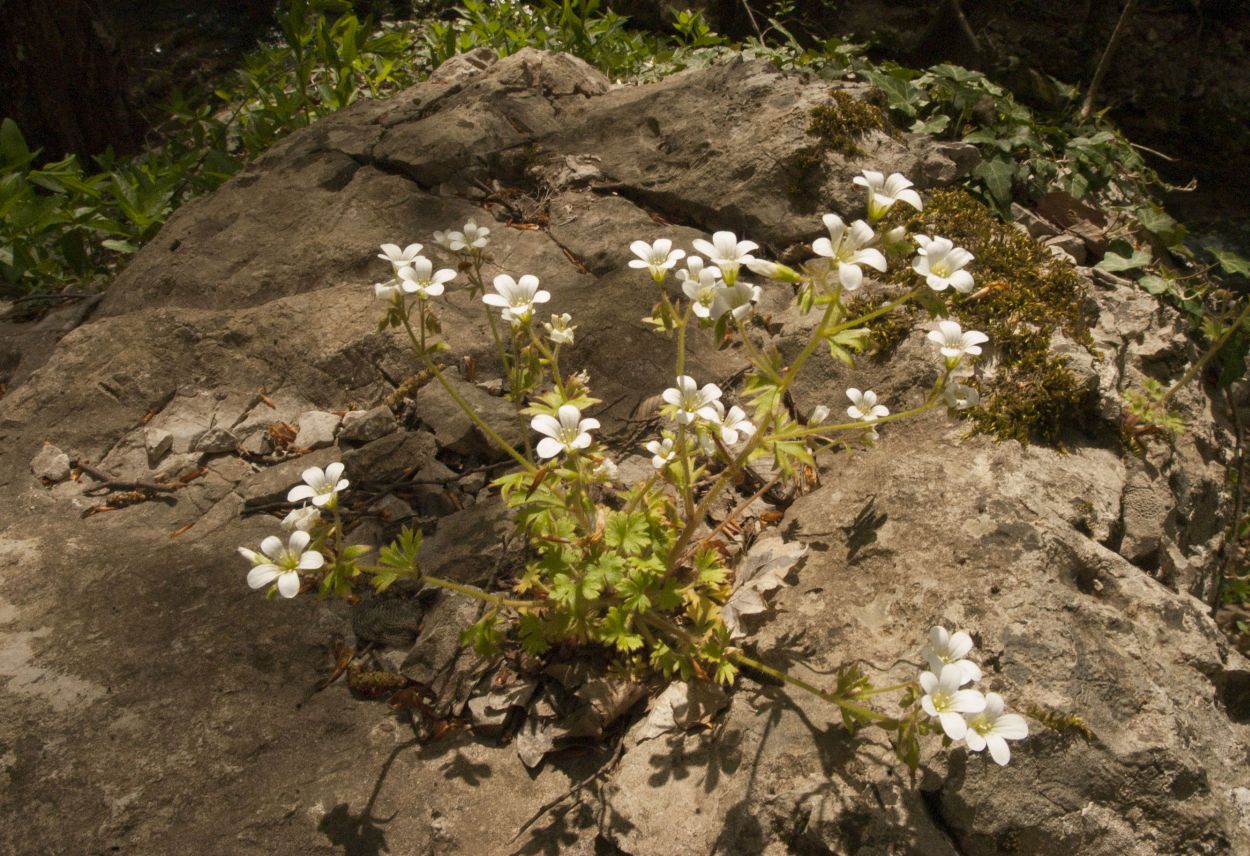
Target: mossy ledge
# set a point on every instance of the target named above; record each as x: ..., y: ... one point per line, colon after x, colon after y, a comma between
x: 836, y: 126
x: 1022, y: 298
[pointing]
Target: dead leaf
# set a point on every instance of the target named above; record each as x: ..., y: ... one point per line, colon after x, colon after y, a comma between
x: 681, y: 706
x: 764, y: 568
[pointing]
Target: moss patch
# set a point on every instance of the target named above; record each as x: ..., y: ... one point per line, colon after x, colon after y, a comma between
x: 837, y: 126
x: 1022, y: 297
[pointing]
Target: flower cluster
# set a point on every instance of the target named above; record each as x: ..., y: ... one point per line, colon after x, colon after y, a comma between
x: 981, y: 721
x: 282, y: 564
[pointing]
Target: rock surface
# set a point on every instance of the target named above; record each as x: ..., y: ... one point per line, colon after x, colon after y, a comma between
x: 153, y: 700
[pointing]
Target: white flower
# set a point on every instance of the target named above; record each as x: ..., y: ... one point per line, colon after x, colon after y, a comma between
x: 689, y: 400
x: 737, y: 299
x: 700, y: 287
x: 321, y: 486
x: 864, y: 405
x: 726, y: 252
x: 473, y: 238
x: 662, y: 452
x: 960, y: 396
x: 694, y: 269
x: 302, y: 519
x: 566, y: 431
x: 884, y: 192
x: 951, y: 649
x: 897, y: 235
x: 946, y: 702
x: 942, y: 264
x: 607, y: 470
x: 819, y: 414
x: 388, y: 290
x: 516, y: 297
x: 731, y: 424
x: 560, y: 330
x: 422, y: 280
x: 993, y: 728
x: 848, y: 247
x: 954, y: 342
x: 659, y: 258
x: 282, y: 563
x: 398, y: 258
x: 773, y: 270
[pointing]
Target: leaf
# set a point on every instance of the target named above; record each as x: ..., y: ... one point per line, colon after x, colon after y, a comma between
x: 628, y: 533
x: 1116, y: 261
x: 681, y: 706
x: 401, y: 554
x: 998, y: 175
x: 764, y: 568
x: 1153, y: 284
x: 119, y: 246
x: 1231, y: 263
x: 13, y: 145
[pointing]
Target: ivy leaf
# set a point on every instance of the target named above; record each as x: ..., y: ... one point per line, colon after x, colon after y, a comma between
x: 1231, y: 263
x: 1117, y: 260
x: 998, y: 174
x: 1153, y: 284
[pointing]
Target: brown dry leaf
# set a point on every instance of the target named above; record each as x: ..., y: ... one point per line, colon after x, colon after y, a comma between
x: 681, y: 706
x: 764, y: 568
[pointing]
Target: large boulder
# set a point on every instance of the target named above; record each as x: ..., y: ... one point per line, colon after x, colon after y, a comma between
x: 159, y: 706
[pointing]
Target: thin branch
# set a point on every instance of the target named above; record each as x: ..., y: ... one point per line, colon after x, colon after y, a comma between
x: 1105, y: 62
x: 113, y: 483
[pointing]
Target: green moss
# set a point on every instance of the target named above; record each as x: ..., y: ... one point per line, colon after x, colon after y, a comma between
x: 837, y: 127
x: 839, y: 124
x: 1023, y: 296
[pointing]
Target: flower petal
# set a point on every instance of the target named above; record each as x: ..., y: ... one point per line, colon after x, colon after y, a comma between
x: 288, y: 584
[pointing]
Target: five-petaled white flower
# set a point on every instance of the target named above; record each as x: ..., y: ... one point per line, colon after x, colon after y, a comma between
x: 848, y: 247
x: 942, y: 264
x: 516, y: 297
x: 951, y: 649
x: 661, y: 452
x: 398, y: 258
x: 955, y: 342
x: 422, y: 280
x: 731, y: 424
x: 321, y: 486
x: 473, y: 238
x: 659, y: 258
x: 864, y: 405
x: 726, y: 252
x: 560, y: 330
x: 282, y: 563
x: 566, y: 431
x: 884, y: 192
x: 993, y: 728
x: 738, y: 299
x: 960, y: 396
x: 700, y: 287
x: 303, y: 518
x: 946, y: 702
x: 690, y: 401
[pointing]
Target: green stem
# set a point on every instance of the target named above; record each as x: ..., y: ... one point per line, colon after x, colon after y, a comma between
x: 490, y: 433
x: 475, y: 592
x: 1215, y: 348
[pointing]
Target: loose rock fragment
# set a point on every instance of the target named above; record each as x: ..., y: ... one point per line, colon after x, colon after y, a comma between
x: 50, y: 464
